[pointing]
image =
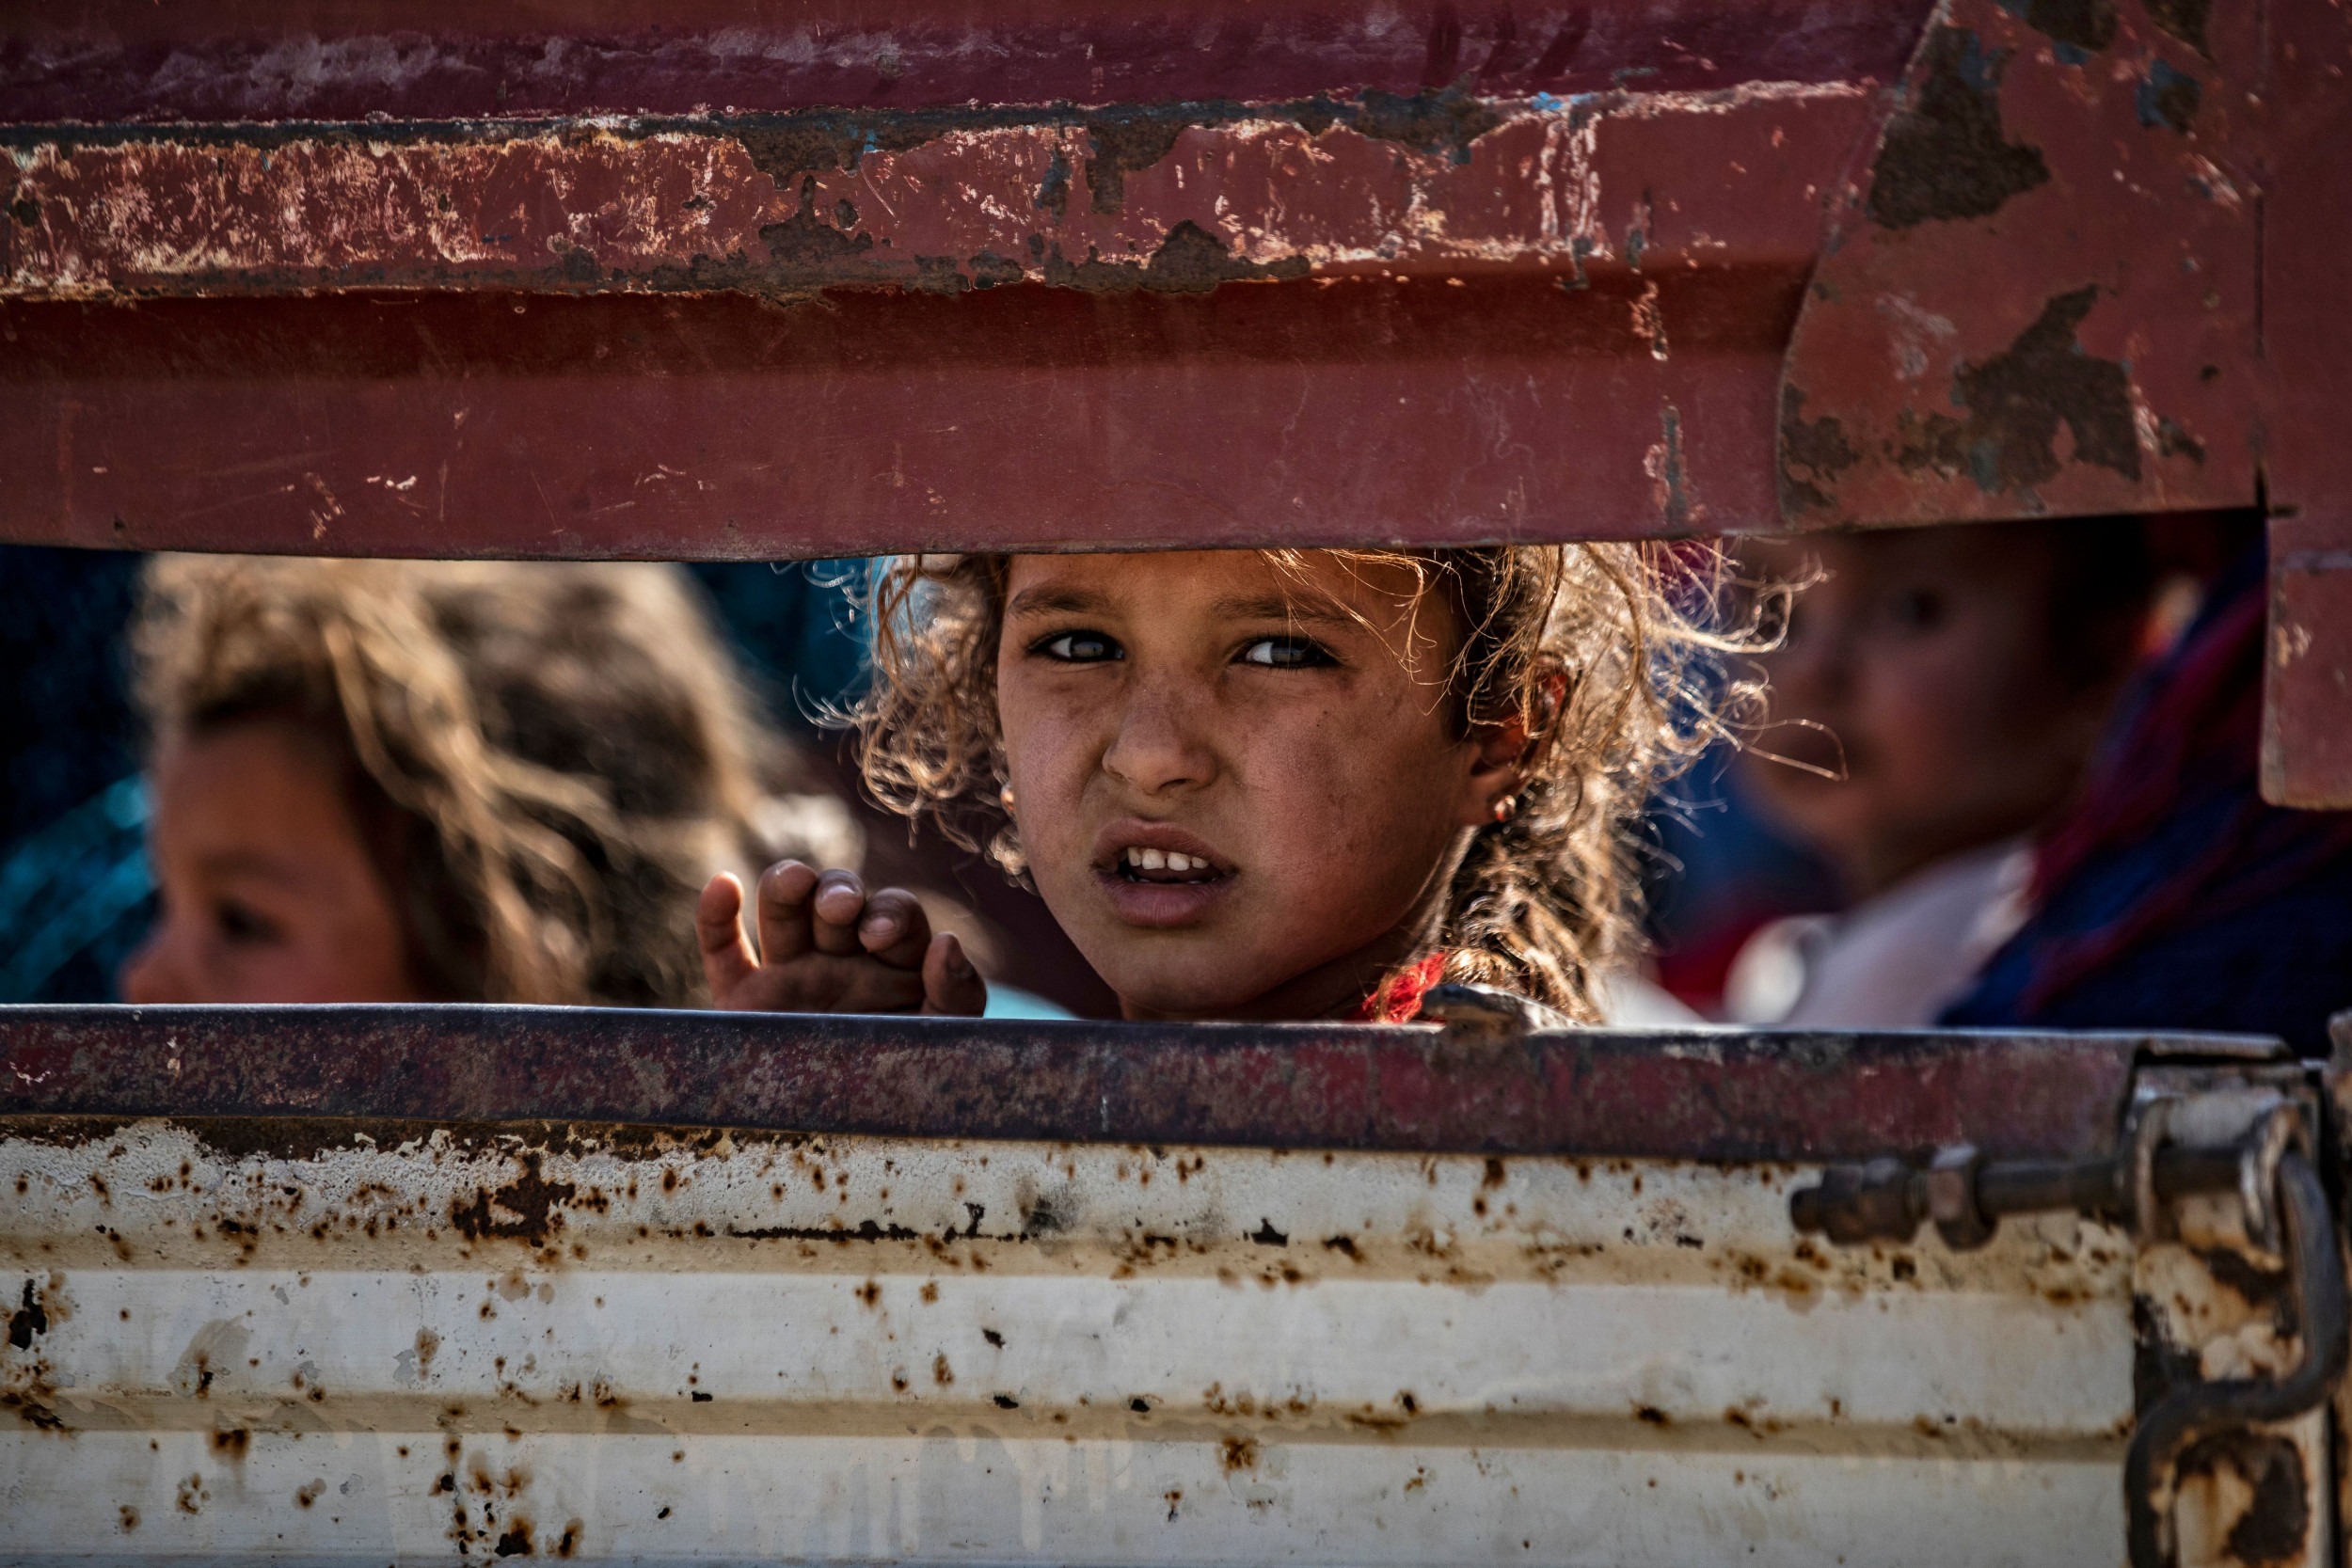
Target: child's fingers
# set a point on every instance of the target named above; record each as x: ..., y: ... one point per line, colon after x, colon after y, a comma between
x: 950, y: 984
x: 727, y: 956
x: 894, y: 929
x: 783, y: 893
x: 835, y: 910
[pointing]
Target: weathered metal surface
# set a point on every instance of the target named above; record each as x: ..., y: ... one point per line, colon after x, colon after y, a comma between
x: 1689, y: 1095
x: 1446, y: 317
x: 233, y: 60
x: 2307, y: 680
x: 1177, y: 198
x: 323, y: 1342
x: 2041, y: 294
x: 1035, y: 418
x: 2307, y: 464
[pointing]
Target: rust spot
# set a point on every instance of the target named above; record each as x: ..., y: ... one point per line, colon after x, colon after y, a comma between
x: 1651, y: 1413
x: 192, y: 1495
x: 515, y: 1542
x: 30, y: 1318
x: 129, y: 1518
x: 309, y: 1494
x: 1344, y: 1246
x: 1118, y: 145
x: 2017, y: 400
x: 1945, y: 155
x: 2185, y: 19
x: 1172, y: 1496
x: 941, y: 1373
x: 869, y: 1293
x: 992, y: 1338
x: 930, y: 1291
x: 1238, y: 1453
x: 1813, y: 452
x: 2273, y: 1528
x: 1265, y: 1235
x: 2078, y: 27
x: 568, y: 1542
x: 2168, y: 97
x: 1005, y: 1401
x: 1190, y: 261
x: 234, y: 1442
x: 531, y: 1199
x: 1495, y: 1174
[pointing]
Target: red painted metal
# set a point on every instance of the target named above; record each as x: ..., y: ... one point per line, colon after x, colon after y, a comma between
x: 2307, y: 342
x: 2041, y: 295
x: 1558, y: 318
x: 1693, y: 1096
x: 2307, y: 690
x: 236, y: 60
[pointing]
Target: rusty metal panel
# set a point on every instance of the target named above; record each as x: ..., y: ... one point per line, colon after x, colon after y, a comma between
x: 2041, y: 295
x: 1707, y: 1095
x: 471, y: 1343
x: 237, y: 60
x: 1474, y: 319
x: 1174, y: 198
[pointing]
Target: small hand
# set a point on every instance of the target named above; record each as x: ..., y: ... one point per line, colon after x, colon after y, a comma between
x: 826, y: 945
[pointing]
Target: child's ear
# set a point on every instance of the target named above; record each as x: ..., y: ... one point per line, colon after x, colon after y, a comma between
x: 1506, y: 751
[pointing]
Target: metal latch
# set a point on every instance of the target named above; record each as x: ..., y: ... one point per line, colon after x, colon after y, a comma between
x: 2269, y: 1168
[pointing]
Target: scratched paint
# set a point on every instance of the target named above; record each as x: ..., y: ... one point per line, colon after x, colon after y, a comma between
x: 2039, y: 298
x: 780, y: 206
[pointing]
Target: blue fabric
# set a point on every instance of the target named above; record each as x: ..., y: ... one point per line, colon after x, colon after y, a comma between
x: 2261, y: 944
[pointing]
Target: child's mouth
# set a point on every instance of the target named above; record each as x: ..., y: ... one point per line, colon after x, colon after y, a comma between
x: 1138, y: 864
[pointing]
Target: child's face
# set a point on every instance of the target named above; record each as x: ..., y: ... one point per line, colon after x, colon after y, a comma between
x: 1929, y: 657
x: 1300, y: 762
x: 269, y: 893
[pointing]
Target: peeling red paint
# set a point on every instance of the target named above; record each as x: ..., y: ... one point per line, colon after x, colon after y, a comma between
x: 584, y: 206
x: 2040, y: 297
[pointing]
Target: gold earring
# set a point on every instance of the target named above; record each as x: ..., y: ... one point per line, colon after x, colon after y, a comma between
x: 1004, y: 797
x: 1506, y: 808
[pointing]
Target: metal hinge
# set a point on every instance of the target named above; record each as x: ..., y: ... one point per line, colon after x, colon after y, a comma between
x: 2177, y: 1147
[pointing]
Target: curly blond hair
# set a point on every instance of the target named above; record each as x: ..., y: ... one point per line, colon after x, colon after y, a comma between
x: 1608, y: 653
x: 560, y: 754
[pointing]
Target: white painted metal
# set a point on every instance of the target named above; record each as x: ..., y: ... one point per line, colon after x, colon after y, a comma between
x: 624, y: 1346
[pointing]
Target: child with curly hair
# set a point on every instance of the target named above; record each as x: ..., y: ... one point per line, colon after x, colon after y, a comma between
x: 381, y: 781
x: 1261, y: 783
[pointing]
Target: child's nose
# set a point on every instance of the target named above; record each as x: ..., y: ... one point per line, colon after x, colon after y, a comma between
x: 1159, y: 745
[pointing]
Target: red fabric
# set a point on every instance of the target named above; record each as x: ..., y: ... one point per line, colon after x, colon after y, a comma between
x: 1398, y: 999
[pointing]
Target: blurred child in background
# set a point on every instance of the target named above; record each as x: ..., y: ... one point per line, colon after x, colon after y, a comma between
x: 1936, y: 699
x: 418, y: 780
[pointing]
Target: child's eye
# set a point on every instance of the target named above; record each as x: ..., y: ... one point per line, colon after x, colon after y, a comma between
x: 1081, y: 647
x: 241, y: 922
x: 1285, y: 653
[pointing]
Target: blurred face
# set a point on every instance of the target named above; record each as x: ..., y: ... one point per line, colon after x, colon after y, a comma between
x: 1925, y: 658
x: 269, y: 893
x: 1240, y: 790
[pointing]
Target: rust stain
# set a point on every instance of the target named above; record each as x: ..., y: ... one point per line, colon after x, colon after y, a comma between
x: 531, y: 1199
x: 2017, y: 400
x: 1813, y: 452
x: 1945, y: 155
x: 1179, y: 197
